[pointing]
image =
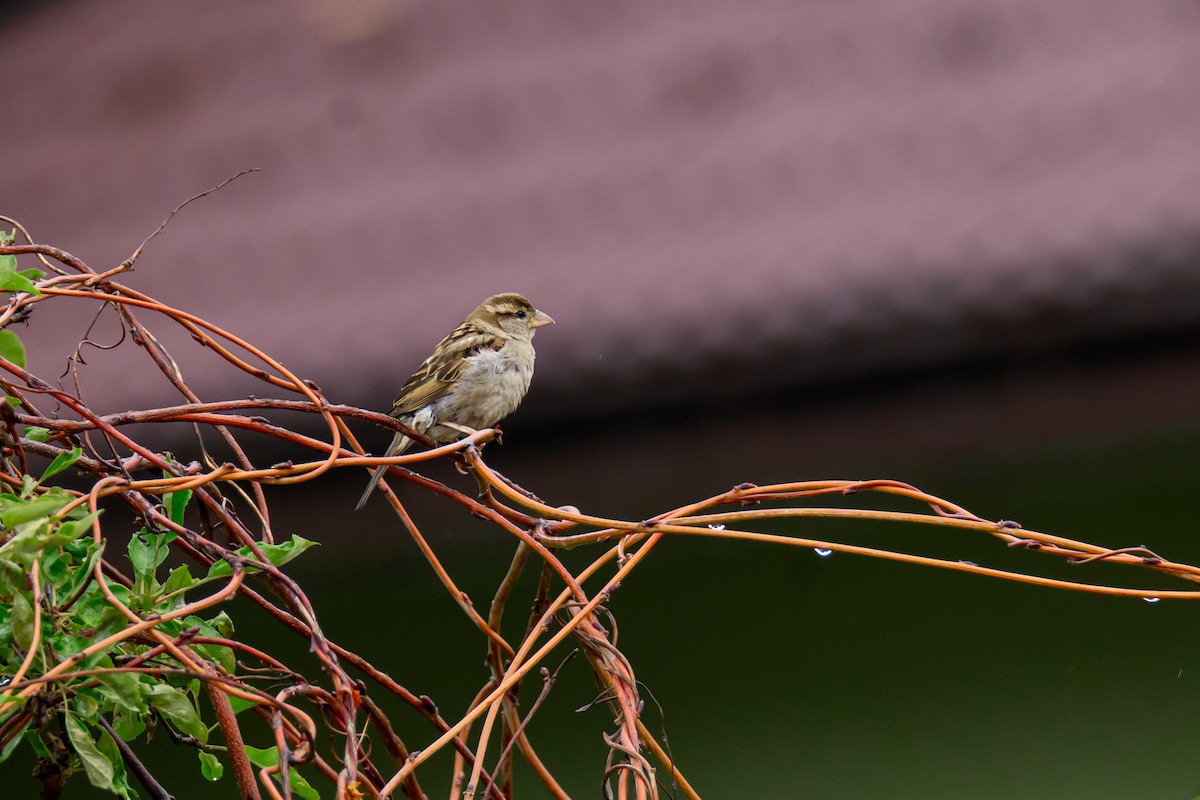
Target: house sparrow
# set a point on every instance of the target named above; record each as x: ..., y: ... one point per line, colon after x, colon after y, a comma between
x: 476, y: 376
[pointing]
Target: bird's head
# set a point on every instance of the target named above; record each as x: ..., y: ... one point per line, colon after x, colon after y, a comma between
x: 511, y: 313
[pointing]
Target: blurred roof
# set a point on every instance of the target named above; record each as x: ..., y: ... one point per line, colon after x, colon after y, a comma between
x: 707, y: 196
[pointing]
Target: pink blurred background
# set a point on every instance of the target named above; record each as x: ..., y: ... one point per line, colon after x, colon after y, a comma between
x: 713, y: 199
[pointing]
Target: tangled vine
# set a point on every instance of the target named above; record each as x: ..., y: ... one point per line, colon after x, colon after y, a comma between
x: 95, y: 654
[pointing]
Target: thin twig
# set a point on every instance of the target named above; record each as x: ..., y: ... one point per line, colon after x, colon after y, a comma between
x: 137, y: 253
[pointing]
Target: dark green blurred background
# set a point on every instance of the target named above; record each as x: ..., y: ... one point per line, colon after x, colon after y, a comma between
x: 782, y: 674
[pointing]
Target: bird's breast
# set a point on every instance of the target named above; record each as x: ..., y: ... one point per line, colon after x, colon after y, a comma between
x: 490, y: 386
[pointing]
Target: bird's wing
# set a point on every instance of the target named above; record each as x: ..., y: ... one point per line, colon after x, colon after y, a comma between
x: 435, y: 378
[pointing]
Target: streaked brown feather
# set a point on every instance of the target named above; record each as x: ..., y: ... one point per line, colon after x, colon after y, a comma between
x: 435, y: 378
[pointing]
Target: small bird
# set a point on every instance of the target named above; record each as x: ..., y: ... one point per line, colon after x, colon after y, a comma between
x: 475, y: 377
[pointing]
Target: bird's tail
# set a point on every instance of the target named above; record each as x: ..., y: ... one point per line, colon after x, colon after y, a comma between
x: 399, y: 444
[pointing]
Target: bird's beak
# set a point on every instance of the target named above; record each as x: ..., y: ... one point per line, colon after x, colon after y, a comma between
x: 541, y: 319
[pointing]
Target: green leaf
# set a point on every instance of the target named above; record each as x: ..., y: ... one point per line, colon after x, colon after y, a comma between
x: 61, y: 461
x: 6, y: 637
x: 277, y: 554
x: 128, y: 726
x: 222, y: 624
x: 206, y: 628
x: 218, y: 655
x: 179, y: 578
x: 124, y: 690
x: 22, y: 621
x: 240, y: 704
x: 302, y: 787
x: 30, y: 510
x: 26, y: 539
x: 99, y: 769
x: 81, y: 574
x: 148, y: 550
x: 13, y: 281
x: 65, y: 645
x: 12, y: 577
x: 92, y: 607
x: 79, y: 550
x: 141, y: 553
x: 33, y: 736
x: 260, y: 757
x: 56, y: 567
x: 108, y: 747
x: 211, y: 767
x: 190, y: 621
x: 72, y: 529
x: 36, y: 433
x: 269, y: 758
x: 98, y: 613
x: 86, y: 706
x: 176, y: 503
x: 40, y: 534
x: 175, y: 706
x: 13, y: 742
x: 11, y: 348
x: 32, y: 537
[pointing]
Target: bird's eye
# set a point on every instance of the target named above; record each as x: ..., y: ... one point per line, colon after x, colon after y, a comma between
x: 520, y: 315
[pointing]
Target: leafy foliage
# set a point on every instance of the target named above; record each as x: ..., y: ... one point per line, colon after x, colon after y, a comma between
x: 47, y: 536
